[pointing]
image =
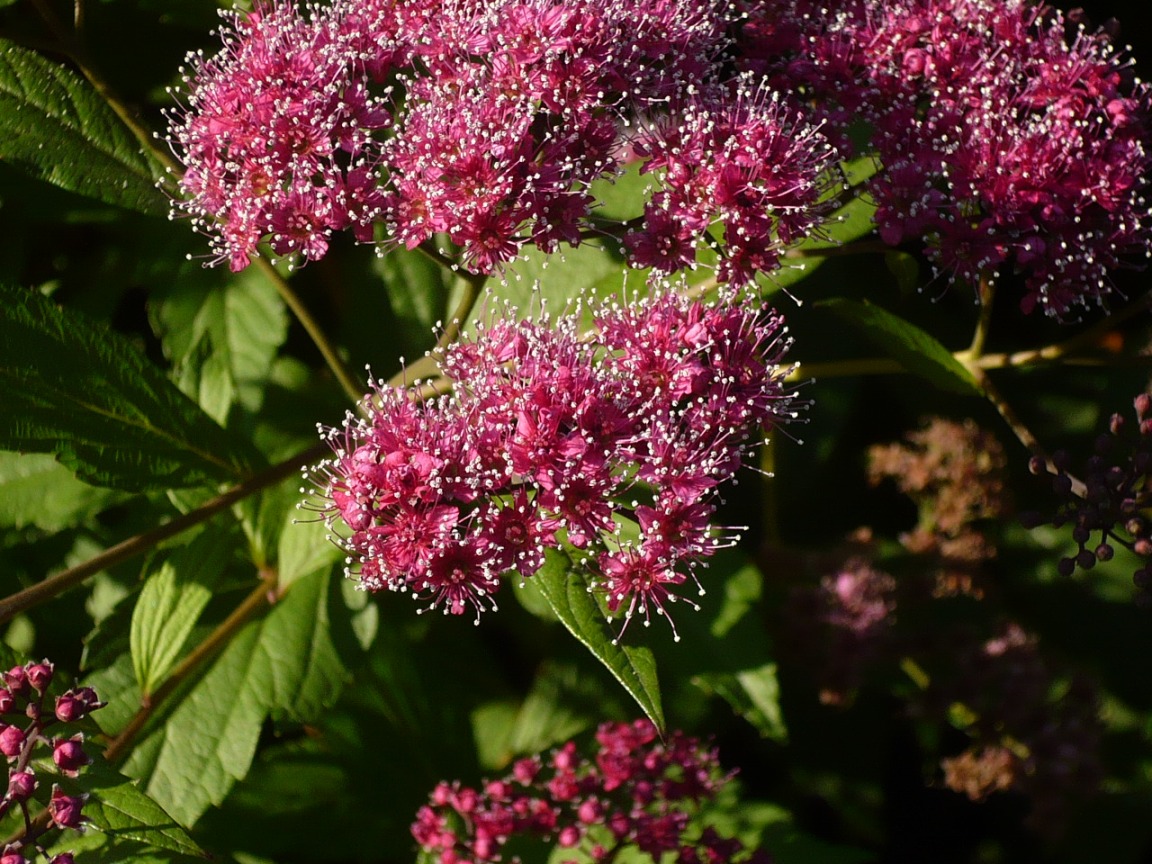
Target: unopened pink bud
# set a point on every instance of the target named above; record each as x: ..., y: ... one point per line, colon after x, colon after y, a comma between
x: 525, y: 770
x: 13, y: 858
x: 69, y: 756
x: 11, y: 741
x: 590, y: 812
x: 63, y: 858
x: 40, y: 675
x: 21, y: 785
x: 7, y: 703
x: 77, y: 704
x: 16, y: 680
x: 65, y: 810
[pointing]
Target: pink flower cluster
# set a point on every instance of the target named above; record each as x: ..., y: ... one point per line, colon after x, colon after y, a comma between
x: 552, y: 435
x: 635, y: 791
x: 276, y: 136
x: 486, y: 121
x: 1003, y: 142
x: 742, y: 159
x: 25, y: 721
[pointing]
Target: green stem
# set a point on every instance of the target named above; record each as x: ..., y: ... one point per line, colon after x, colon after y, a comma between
x: 51, y: 587
x: 352, y: 388
x: 429, y: 250
x: 987, y: 293
x: 473, y: 284
x: 1019, y: 428
x: 1059, y: 352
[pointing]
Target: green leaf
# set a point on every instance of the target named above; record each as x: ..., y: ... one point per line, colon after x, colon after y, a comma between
x: 417, y: 289
x: 95, y: 401
x: 633, y: 666
x: 754, y: 694
x: 37, y: 490
x: 56, y: 127
x: 170, y: 604
x: 307, y: 672
x: 914, y: 349
x: 222, y: 335
x: 554, y: 281
x: 622, y: 198
x: 304, y: 547
x: 905, y: 268
x: 120, y: 810
x: 848, y: 223
x: 285, y: 664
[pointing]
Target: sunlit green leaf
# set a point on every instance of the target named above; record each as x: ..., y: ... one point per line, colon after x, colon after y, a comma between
x: 170, y: 603
x: 633, y: 666
x: 915, y: 350
x: 55, y: 126
x: 849, y: 222
x: 120, y: 810
x: 285, y: 663
x: 96, y: 402
x: 754, y: 694
x: 37, y: 490
x: 222, y: 334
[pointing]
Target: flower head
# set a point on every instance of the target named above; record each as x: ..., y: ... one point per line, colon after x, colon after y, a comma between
x: 1004, y: 142
x: 632, y: 790
x: 550, y: 435
x: 738, y: 157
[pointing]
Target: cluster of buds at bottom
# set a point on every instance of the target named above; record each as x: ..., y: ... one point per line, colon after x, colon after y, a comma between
x: 614, y: 441
x: 636, y: 792
x: 1109, y: 506
x: 31, y: 726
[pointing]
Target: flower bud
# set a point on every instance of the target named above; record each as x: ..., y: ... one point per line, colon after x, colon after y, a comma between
x: 65, y: 809
x: 11, y: 741
x: 69, y: 755
x: 76, y: 704
x: 16, y: 679
x: 13, y: 858
x: 40, y: 675
x: 63, y: 858
x: 7, y: 703
x: 525, y: 770
x: 21, y: 785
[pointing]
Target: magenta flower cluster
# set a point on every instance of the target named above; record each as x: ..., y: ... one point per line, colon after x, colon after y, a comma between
x: 1004, y: 141
x: 739, y: 158
x: 486, y: 122
x: 551, y: 435
x: 635, y: 791
x: 29, y: 727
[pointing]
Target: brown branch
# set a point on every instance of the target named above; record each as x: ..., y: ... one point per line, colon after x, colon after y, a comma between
x: 54, y: 585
